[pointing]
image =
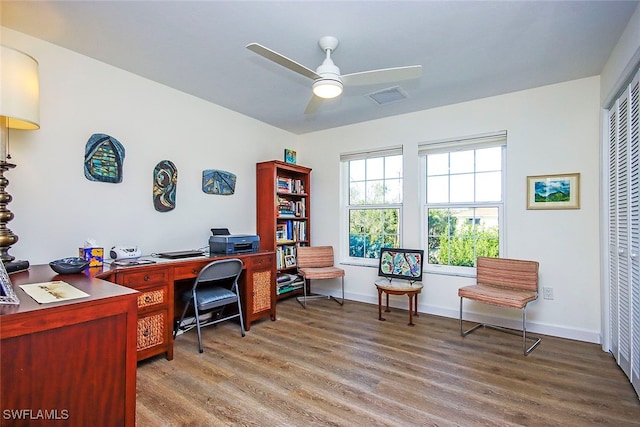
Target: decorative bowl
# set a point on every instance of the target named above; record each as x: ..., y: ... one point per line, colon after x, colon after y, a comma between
x: 69, y: 265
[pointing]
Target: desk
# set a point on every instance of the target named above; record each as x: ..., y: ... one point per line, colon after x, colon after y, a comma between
x: 399, y: 288
x: 157, y: 283
x: 75, y: 359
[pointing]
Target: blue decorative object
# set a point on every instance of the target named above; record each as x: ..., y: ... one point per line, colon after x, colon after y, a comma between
x: 70, y: 265
x: 165, y: 182
x: 218, y: 182
x: 103, y: 159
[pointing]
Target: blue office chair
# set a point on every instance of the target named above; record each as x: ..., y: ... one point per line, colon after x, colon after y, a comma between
x: 210, y: 295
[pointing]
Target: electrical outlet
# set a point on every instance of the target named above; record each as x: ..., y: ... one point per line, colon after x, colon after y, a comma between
x: 547, y: 292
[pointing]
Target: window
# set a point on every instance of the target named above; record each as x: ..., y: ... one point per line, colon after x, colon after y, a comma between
x: 373, y: 201
x: 464, y: 201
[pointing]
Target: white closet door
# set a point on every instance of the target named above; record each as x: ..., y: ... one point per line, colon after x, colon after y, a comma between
x: 613, y: 230
x: 623, y: 355
x: 624, y: 231
x: 634, y: 149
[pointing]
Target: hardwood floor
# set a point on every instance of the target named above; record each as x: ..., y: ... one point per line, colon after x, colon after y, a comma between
x: 339, y: 366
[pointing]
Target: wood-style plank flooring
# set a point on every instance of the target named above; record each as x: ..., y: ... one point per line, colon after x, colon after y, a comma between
x: 340, y: 366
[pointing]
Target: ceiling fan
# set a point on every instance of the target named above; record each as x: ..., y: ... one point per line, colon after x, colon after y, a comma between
x: 327, y: 81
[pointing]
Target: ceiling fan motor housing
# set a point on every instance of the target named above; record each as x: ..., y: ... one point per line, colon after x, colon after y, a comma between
x: 329, y: 70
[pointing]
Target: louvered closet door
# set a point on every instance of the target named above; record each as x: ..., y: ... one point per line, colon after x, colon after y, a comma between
x: 634, y: 145
x: 624, y: 232
x: 623, y: 355
x: 613, y: 230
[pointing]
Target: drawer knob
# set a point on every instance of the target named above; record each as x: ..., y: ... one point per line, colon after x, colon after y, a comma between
x: 146, y: 278
x: 147, y: 298
x: 146, y: 333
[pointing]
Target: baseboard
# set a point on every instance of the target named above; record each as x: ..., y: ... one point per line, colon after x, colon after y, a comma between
x: 532, y: 326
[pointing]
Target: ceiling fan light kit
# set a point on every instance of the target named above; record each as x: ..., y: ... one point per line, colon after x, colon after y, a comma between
x: 327, y: 88
x: 327, y: 81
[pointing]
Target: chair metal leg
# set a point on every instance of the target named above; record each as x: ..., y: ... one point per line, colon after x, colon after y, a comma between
x: 195, y: 306
x: 537, y: 340
x: 525, y: 350
x: 176, y: 327
x: 341, y: 302
x: 467, y: 332
x: 241, y: 319
x: 303, y: 300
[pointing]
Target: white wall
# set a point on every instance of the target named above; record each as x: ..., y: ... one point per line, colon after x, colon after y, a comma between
x: 552, y: 129
x: 56, y: 208
x: 623, y: 60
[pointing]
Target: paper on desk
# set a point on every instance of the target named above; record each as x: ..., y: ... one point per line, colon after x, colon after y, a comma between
x: 55, y: 291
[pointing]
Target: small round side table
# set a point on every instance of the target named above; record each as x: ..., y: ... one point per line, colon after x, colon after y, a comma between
x: 399, y: 288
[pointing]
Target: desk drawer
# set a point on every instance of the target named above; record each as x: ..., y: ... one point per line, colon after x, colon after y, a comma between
x: 152, y: 297
x: 152, y: 330
x: 262, y: 261
x: 136, y: 279
x: 187, y: 271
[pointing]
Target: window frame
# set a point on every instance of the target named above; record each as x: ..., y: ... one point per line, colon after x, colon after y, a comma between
x: 347, y: 207
x: 497, y: 139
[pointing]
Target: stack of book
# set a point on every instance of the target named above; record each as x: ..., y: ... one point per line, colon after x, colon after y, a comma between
x: 288, y: 282
x: 290, y: 185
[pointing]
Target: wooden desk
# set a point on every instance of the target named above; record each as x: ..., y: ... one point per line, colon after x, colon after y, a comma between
x: 158, y: 282
x: 70, y: 363
x: 399, y: 288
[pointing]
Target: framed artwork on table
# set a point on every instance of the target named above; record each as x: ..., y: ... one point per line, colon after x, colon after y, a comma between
x: 553, y: 191
x: 396, y: 263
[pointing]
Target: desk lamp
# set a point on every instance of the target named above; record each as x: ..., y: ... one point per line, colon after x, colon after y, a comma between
x: 19, y: 109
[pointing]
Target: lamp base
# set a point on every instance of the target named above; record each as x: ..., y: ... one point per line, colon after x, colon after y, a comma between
x: 16, y: 265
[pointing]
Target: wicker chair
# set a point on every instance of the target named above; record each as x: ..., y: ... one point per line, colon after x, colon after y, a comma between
x: 505, y: 283
x: 315, y: 263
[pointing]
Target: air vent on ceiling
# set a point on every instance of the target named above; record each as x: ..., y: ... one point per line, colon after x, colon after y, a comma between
x: 386, y: 96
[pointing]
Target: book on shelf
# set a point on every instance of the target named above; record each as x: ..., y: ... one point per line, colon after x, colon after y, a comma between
x: 290, y: 185
x: 291, y: 208
x: 291, y: 231
x: 288, y: 282
x: 285, y: 256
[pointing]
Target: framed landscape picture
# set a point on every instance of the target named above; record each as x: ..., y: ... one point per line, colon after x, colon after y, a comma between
x: 553, y: 191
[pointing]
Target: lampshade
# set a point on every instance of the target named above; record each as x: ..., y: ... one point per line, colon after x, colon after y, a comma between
x: 327, y: 88
x: 19, y: 90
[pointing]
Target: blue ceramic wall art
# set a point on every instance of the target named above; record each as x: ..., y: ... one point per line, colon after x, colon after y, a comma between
x: 165, y: 181
x: 103, y: 159
x: 218, y: 182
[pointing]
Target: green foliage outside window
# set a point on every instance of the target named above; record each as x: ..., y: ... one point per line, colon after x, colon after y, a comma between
x: 459, y: 244
x: 372, y: 229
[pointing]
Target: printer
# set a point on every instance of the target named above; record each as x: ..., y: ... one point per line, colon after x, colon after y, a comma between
x: 224, y: 243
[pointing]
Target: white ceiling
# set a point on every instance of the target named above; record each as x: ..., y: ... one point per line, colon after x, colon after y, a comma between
x: 468, y: 49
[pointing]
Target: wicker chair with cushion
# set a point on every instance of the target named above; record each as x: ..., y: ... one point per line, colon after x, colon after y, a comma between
x: 315, y: 263
x: 505, y: 283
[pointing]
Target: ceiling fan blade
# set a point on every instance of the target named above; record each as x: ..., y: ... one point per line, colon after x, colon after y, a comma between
x: 384, y: 75
x: 314, y: 103
x: 282, y: 60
